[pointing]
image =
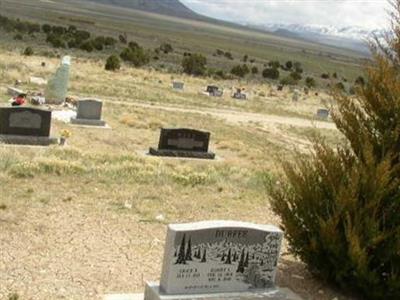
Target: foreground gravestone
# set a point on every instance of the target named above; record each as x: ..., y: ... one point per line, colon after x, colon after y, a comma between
x: 25, y: 125
x: 176, y: 85
x: 57, y: 87
x: 323, y: 113
x: 214, y: 91
x: 183, y: 142
x: 218, y: 260
x: 89, y: 113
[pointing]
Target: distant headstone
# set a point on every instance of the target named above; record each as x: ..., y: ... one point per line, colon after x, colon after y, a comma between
x: 183, y: 142
x: 214, y: 91
x: 323, y: 113
x: 176, y: 85
x: 220, y: 260
x: 25, y: 125
x: 296, y: 96
x: 240, y: 95
x: 89, y: 113
x: 57, y: 87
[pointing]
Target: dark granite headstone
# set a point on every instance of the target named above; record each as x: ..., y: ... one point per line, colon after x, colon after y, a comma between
x: 214, y: 91
x: 183, y: 142
x: 25, y: 125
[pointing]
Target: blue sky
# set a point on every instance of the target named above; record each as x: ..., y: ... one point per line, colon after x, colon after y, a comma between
x: 369, y: 14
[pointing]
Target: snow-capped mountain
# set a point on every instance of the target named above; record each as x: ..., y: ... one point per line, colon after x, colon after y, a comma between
x: 348, y: 32
x: 350, y: 37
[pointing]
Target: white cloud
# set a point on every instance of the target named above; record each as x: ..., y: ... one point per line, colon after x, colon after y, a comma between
x: 370, y: 14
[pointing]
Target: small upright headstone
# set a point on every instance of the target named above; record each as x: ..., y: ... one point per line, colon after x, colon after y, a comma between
x: 220, y: 260
x: 25, y: 125
x: 323, y: 113
x: 57, y: 87
x: 178, y: 86
x: 214, y: 91
x: 183, y: 142
x: 89, y: 113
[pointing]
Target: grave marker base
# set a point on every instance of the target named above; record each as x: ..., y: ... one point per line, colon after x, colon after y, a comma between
x: 181, y: 153
x: 152, y: 292
x: 27, y: 140
x: 88, y: 122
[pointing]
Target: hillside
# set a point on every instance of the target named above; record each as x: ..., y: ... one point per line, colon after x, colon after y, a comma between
x: 163, y: 7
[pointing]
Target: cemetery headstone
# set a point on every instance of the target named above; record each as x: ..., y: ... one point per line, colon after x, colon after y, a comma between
x: 220, y: 260
x: 214, y: 91
x: 57, y: 87
x: 25, y: 125
x: 89, y: 113
x: 183, y: 142
x: 323, y: 113
x: 176, y: 85
x: 240, y: 95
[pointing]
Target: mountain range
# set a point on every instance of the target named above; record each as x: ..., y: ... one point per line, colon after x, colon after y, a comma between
x: 349, y: 37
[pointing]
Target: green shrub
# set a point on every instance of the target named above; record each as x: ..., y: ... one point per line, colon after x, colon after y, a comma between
x: 271, y: 73
x: 195, y: 64
x: 46, y: 28
x: 166, y: 48
x: 310, y: 82
x: 360, y: 81
x: 340, y: 86
x: 56, y: 41
x: 289, y: 80
x: 289, y: 65
x: 274, y: 64
x: 18, y: 37
x: 340, y: 206
x: 254, y: 70
x: 228, y: 55
x: 28, y: 51
x: 113, y: 63
x: 110, y: 41
x: 137, y: 56
x: 297, y: 67
x: 240, y: 70
x: 296, y: 76
x: 87, y: 46
x: 325, y: 76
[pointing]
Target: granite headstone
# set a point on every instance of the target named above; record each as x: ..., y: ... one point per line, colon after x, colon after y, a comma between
x: 177, y: 85
x: 183, y: 142
x: 25, y: 125
x: 89, y: 113
x: 220, y: 260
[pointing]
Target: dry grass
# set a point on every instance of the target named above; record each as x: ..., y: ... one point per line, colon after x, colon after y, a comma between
x: 89, y: 218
